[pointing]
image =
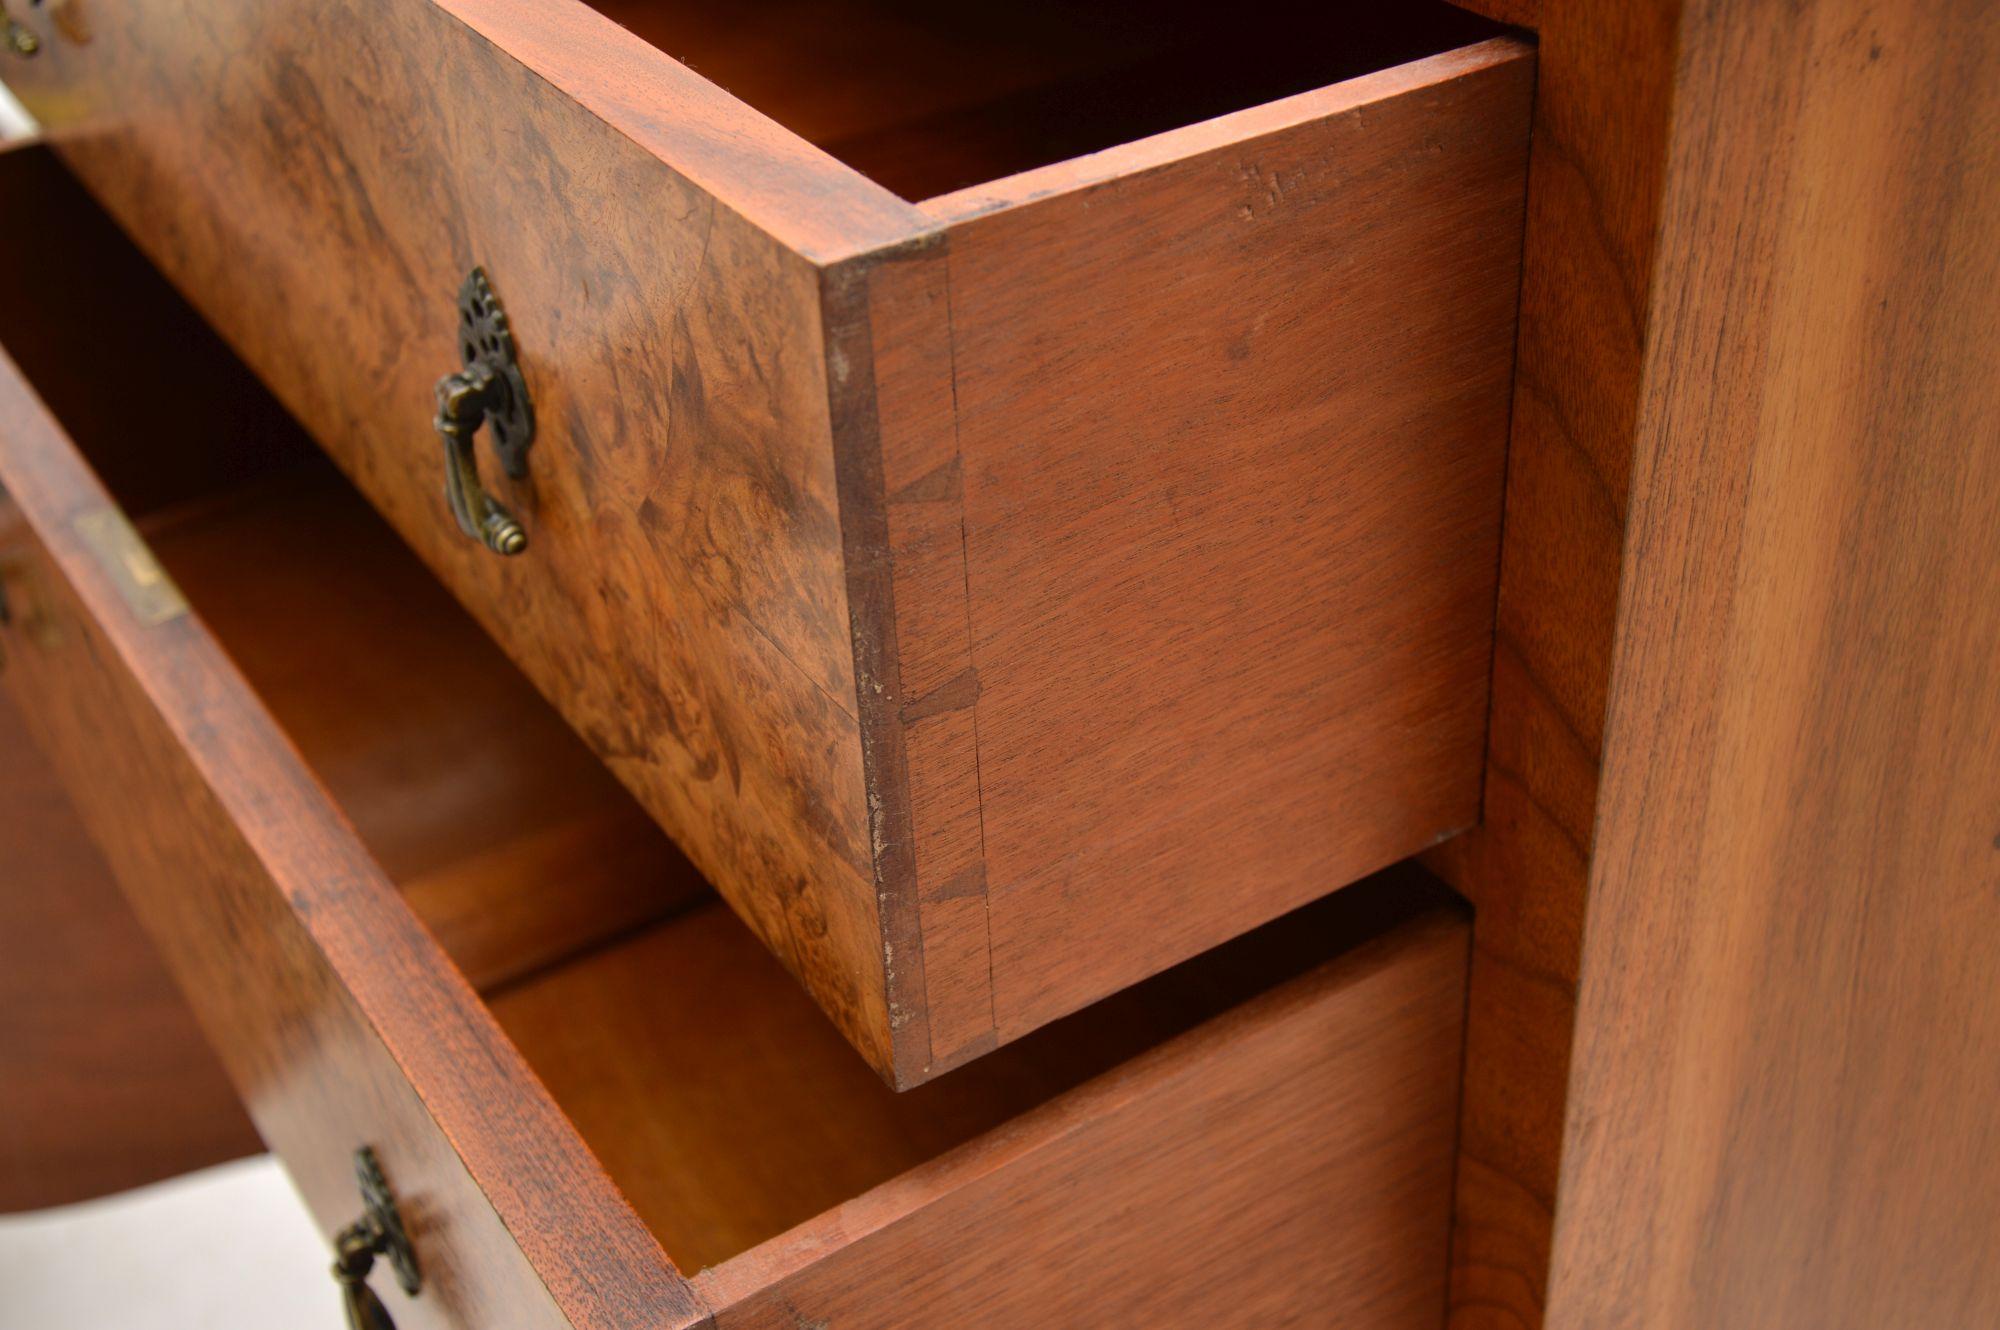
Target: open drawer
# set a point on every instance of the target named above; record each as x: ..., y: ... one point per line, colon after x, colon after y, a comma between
x: 596, y: 1097
x: 1002, y: 471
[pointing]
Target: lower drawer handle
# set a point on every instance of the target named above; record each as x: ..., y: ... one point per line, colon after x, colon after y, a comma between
x: 489, y: 391
x: 379, y: 1232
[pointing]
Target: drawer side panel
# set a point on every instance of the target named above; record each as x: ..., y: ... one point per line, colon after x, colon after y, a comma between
x: 1231, y: 433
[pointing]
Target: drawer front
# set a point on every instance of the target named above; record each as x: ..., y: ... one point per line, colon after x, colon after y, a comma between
x: 320, y: 179
x: 337, y: 1017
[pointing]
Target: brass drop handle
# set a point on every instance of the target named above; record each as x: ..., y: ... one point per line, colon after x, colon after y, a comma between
x: 378, y: 1233
x: 355, y: 1253
x: 488, y: 392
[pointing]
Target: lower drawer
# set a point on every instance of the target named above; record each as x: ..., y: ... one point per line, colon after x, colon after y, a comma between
x: 412, y: 914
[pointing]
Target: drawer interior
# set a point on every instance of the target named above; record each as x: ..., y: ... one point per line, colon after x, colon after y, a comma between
x: 926, y: 99
x: 722, y: 1102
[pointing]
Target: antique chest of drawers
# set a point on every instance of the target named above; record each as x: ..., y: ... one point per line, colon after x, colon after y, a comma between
x: 1014, y: 497
x: 822, y: 664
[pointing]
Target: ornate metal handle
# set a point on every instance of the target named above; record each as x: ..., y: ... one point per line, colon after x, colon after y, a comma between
x: 379, y: 1232
x: 489, y: 391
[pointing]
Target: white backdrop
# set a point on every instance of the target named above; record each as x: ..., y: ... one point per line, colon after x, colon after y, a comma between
x: 229, y: 1248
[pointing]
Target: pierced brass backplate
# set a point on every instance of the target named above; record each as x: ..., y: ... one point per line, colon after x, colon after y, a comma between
x: 378, y: 1233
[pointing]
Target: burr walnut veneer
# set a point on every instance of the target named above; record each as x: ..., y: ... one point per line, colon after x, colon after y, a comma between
x: 1001, y: 471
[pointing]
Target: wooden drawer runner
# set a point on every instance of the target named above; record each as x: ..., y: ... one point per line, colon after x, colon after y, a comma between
x: 1004, y: 581
x: 646, y: 1123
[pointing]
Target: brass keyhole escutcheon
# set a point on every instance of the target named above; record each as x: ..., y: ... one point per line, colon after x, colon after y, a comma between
x: 488, y: 391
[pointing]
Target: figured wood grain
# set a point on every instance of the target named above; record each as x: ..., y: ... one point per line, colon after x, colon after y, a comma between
x: 1231, y: 420
x: 339, y: 1019
x: 1782, y: 1105
x: 109, y: 1083
x: 307, y: 177
x: 1111, y: 1205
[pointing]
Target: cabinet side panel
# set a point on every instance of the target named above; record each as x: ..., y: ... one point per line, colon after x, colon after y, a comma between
x: 1782, y: 1109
